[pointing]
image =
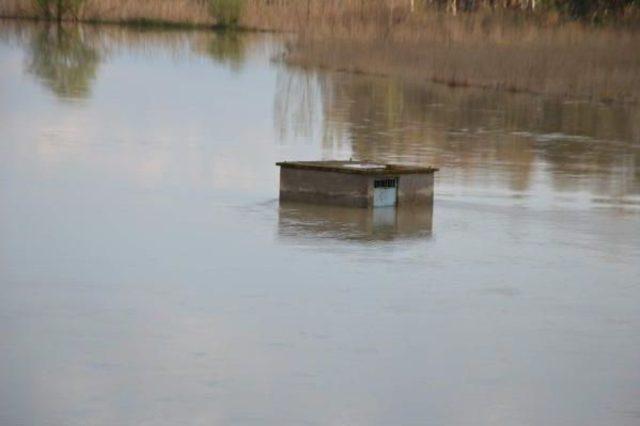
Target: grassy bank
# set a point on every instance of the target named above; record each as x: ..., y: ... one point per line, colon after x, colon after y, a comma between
x: 304, y: 15
x: 568, y: 60
x: 253, y: 14
x: 523, y: 46
x: 183, y: 12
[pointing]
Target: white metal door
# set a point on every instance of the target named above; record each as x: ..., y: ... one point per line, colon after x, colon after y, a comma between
x: 384, y: 192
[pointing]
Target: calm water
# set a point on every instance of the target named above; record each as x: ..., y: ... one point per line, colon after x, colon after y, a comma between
x: 148, y: 275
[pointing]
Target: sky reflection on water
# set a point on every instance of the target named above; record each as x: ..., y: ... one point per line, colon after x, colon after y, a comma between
x: 148, y: 274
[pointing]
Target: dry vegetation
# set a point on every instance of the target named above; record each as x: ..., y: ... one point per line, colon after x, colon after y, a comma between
x: 567, y: 60
x: 530, y: 51
x: 373, y: 15
x: 189, y: 12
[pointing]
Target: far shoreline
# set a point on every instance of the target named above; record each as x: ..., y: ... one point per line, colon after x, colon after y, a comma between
x: 502, y: 51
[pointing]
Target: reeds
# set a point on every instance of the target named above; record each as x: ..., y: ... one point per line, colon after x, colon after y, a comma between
x: 303, y: 15
x: 183, y: 12
x: 498, y: 52
x: 500, y: 49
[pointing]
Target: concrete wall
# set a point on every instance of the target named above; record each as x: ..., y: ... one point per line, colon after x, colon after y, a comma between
x: 350, y: 189
x: 415, y: 189
x: 325, y: 187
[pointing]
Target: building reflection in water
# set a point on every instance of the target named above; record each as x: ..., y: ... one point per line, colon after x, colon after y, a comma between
x: 303, y: 221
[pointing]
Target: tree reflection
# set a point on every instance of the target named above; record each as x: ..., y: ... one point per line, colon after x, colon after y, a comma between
x: 478, y: 137
x: 296, y: 106
x: 62, y: 60
x: 229, y: 48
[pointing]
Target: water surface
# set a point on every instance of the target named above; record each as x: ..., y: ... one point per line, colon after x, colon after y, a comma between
x: 148, y: 274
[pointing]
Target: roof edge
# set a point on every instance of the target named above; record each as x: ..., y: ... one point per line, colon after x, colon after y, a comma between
x: 339, y: 166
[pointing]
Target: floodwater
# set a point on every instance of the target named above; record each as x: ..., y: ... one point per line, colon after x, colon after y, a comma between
x: 149, y: 276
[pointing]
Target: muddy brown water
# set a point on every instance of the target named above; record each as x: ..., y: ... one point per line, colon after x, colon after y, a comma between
x: 148, y: 274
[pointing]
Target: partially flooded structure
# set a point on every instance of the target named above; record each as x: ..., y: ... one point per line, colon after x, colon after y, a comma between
x: 301, y: 222
x: 356, y: 183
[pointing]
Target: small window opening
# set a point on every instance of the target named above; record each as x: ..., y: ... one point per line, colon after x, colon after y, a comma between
x: 384, y: 183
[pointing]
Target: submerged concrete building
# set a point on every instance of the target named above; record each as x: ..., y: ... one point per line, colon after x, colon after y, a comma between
x: 355, y: 183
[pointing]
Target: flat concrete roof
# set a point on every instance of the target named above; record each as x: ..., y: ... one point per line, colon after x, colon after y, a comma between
x: 357, y: 167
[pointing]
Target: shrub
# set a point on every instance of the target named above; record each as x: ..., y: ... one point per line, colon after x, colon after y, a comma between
x: 227, y: 12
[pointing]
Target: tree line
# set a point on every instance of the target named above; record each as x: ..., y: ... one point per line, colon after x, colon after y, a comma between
x: 577, y: 9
